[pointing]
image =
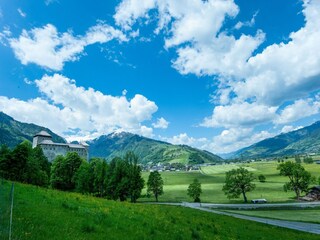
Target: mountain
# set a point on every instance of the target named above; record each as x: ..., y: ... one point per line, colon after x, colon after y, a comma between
x: 148, y: 150
x: 13, y: 132
x: 303, y: 140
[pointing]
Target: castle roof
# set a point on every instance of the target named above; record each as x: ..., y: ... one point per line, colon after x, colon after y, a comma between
x: 43, y: 134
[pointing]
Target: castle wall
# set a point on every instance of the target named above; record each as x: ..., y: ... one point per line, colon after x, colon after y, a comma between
x: 51, y: 150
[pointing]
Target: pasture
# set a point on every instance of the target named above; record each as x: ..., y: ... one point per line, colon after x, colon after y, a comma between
x: 41, y: 214
x: 212, y: 179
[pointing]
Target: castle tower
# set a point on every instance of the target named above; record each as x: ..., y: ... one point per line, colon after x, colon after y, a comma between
x: 39, y: 137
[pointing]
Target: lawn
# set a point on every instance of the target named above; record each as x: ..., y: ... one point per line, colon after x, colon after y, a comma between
x: 212, y: 179
x: 48, y: 214
x: 305, y: 215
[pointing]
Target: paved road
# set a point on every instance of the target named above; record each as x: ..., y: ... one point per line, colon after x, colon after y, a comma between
x: 268, y: 205
x: 300, y: 226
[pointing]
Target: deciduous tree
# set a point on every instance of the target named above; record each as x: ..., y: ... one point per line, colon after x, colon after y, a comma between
x: 155, y: 184
x: 299, y: 178
x: 194, y: 190
x: 238, y: 181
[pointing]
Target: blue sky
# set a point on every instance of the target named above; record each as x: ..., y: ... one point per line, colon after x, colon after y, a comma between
x: 218, y: 74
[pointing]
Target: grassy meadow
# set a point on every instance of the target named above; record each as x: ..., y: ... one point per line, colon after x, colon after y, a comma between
x: 49, y: 214
x: 212, y: 179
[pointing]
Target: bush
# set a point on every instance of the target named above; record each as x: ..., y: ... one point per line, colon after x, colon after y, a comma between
x: 262, y: 178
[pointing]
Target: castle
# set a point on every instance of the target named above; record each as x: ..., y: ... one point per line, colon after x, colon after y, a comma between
x: 52, y: 149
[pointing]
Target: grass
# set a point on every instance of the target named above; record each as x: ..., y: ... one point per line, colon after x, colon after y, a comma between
x: 212, y: 179
x: 49, y: 214
x: 305, y: 215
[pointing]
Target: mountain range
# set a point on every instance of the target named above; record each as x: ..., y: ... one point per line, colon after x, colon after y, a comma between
x: 148, y: 150
x: 13, y: 132
x: 301, y: 141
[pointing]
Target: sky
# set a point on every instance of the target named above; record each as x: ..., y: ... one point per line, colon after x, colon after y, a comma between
x: 218, y: 75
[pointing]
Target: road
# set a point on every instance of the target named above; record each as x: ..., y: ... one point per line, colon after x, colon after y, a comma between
x: 300, y: 226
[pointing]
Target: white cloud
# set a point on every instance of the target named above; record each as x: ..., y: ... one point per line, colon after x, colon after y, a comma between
x: 240, y: 114
x: 68, y: 107
x: 184, y: 139
x: 161, y: 123
x: 195, y: 29
x: 22, y: 14
x: 236, y: 138
x: 298, y: 110
x: 247, y: 23
x: 288, y: 128
x: 50, y: 49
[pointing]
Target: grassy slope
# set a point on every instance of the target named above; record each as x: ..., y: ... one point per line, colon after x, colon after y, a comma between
x: 47, y: 214
x: 309, y: 215
x: 176, y: 183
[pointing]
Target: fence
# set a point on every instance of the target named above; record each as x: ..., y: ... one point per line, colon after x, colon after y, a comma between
x: 6, y: 208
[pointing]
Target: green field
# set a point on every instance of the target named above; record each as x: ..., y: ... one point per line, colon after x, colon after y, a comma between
x: 307, y: 215
x: 48, y: 214
x: 213, y: 177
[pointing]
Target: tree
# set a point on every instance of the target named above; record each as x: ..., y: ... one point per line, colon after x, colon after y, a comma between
x: 238, y: 181
x: 194, y: 190
x: 98, y: 169
x: 297, y: 159
x: 58, y: 175
x: 136, y: 182
x: 37, y: 169
x: 262, y: 178
x: 307, y: 160
x: 83, y: 178
x: 5, y: 159
x: 155, y: 184
x: 299, y: 178
x: 63, y: 171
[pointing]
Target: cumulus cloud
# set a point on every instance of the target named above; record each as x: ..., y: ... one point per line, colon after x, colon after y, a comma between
x: 240, y: 114
x: 66, y: 107
x: 299, y: 109
x: 268, y: 80
x: 194, y: 28
x: 48, y: 48
x: 236, y: 138
x: 161, y: 123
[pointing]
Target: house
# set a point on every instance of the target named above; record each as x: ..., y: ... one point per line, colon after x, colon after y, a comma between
x: 51, y: 149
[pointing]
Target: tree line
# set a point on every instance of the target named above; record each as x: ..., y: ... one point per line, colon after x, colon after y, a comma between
x: 118, y: 180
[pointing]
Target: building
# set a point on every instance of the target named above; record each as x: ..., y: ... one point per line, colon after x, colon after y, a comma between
x: 52, y: 149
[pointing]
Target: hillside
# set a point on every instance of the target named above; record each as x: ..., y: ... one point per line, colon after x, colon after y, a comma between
x: 45, y: 214
x: 148, y: 150
x: 13, y: 132
x: 304, y: 140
